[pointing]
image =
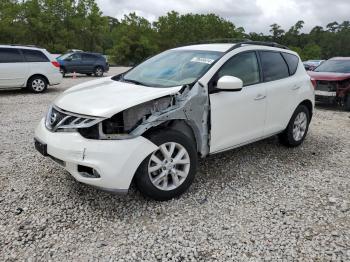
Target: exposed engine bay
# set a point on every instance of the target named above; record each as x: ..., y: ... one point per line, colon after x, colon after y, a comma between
x: 191, y: 105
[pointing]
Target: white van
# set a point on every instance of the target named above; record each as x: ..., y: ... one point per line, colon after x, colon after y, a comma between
x: 28, y: 67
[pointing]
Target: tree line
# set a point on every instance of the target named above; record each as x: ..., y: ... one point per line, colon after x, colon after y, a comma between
x: 80, y: 24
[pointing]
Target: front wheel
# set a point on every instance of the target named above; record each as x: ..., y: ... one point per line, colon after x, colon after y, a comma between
x: 63, y: 72
x: 169, y: 171
x: 297, y: 128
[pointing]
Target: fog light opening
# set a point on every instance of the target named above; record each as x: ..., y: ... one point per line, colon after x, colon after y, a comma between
x: 88, y: 172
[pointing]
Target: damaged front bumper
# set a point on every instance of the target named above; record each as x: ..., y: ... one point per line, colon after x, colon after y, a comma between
x: 106, y: 164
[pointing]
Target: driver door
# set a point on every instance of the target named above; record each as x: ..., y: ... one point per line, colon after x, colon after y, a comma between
x: 74, y: 63
x: 238, y: 117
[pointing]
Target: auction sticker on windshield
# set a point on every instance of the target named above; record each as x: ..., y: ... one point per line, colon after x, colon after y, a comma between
x: 202, y: 60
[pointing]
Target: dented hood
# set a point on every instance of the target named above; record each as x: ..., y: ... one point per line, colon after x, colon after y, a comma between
x: 328, y: 76
x: 105, y: 97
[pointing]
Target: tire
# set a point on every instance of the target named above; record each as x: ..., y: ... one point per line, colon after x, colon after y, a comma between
x: 98, y: 71
x: 63, y: 72
x: 297, y: 128
x: 347, y: 103
x: 37, y: 84
x: 164, y: 182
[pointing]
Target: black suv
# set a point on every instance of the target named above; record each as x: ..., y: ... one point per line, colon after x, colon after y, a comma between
x: 83, y: 63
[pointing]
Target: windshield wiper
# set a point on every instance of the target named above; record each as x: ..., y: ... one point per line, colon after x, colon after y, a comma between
x: 133, y: 81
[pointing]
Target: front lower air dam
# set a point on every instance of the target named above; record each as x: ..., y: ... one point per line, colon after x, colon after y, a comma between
x: 115, y: 161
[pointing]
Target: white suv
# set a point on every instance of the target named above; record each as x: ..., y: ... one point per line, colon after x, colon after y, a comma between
x: 150, y: 124
x: 28, y: 67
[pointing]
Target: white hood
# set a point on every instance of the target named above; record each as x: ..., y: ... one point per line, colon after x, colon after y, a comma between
x: 106, y: 97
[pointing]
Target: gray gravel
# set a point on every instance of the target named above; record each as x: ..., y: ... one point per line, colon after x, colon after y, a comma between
x: 259, y: 202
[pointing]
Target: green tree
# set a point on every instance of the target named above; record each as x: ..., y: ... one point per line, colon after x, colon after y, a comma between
x: 134, y: 40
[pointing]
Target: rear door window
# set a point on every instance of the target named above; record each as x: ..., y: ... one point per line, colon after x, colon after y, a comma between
x: 292, y: 62
x: 88, y: 57
x: 244, y: 66
x: 10, y: 55
x: 34, y: 56
x: 273, y: 66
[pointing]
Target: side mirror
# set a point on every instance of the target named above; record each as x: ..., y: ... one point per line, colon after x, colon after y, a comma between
x: 229, y: 83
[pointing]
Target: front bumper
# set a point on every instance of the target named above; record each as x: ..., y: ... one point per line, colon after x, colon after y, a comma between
x: 116, y: 161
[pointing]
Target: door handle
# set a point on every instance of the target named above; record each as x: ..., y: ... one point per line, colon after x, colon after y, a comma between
x: 259, y: 97
x: 296, y: 87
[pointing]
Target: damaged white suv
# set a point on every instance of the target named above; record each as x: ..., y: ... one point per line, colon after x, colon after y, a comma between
x: 150, y: 124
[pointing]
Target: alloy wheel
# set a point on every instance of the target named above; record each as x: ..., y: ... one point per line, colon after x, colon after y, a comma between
x: 299, y: 126
x: 169, y: 166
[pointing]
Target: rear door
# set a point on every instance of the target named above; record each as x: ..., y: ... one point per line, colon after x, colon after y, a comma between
x: 280, y: 90
x: 74, y: 63
x: 13, y: 69
x: 38, y: 62
x: 88, y: 62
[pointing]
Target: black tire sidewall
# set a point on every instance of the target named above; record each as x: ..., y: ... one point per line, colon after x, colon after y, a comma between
x: 142, y: 179
x: 63, y: 71
x: 30, y: 82
x: 289, y: 132
x: 347, y: 103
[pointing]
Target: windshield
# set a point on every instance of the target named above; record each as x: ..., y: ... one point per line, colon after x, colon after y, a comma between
x: 172, y: 68
x: 64, y: 56
x: 334, y: 66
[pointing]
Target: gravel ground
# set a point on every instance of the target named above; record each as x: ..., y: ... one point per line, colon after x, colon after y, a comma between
x: 259, y: 202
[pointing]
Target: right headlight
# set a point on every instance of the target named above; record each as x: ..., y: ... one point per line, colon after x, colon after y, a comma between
x: 60, y: 120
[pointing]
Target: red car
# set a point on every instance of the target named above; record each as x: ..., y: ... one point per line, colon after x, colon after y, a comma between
x: 332, y: 81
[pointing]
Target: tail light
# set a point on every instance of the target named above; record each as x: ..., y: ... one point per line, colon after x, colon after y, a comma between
x: 55, y: 63
x: 314, y: 82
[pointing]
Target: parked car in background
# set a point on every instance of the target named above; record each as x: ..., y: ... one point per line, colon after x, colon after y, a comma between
x: 28, y: 67
x: 152, y: 123
x: 83, y: 63
x: 310, y: 65
x: 332, y: 81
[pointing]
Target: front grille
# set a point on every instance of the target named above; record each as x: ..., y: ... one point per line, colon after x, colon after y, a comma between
x: 58, y: 120
x: 328, y: 86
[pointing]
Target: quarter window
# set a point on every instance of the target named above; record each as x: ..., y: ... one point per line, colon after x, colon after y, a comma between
x: 292, y: 62
x: 273, y: 65
x: 34, y: 56
x: 10, y: 55
x: 244, y: 66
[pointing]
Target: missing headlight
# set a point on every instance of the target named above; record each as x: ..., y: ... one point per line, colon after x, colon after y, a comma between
x: 121, y: 124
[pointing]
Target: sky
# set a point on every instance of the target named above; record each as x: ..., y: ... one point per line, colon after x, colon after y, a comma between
x: 253, y: 15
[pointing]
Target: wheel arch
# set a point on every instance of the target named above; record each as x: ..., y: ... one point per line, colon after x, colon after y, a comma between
x: 309, y: 106
x: 181, y: 125
x: 41, y: 75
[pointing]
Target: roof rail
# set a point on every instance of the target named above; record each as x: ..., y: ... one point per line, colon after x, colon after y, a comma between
x: 218, y: 40
x: 26, y: 45
x: 261, y: 43
x: 238, y: 43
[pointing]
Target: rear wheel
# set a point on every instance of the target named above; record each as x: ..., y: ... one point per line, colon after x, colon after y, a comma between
x: 347, y: 103
x: 37, y: 84
x: 170, y: 170
x: 297, y: 127
x: 98, y: 72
